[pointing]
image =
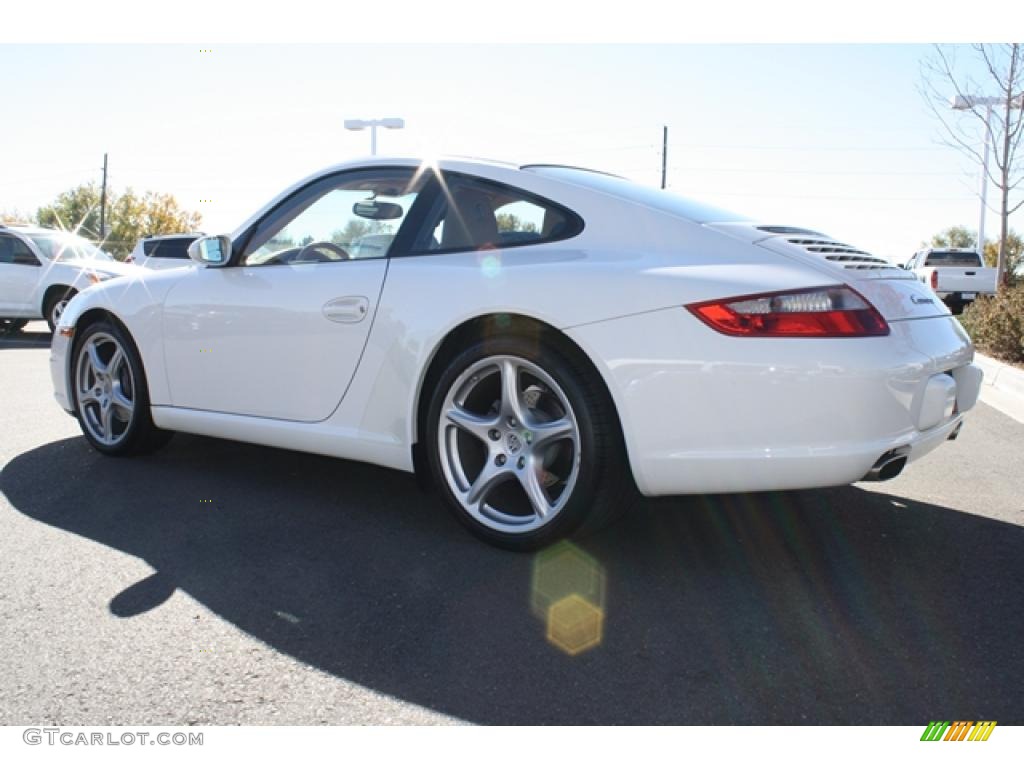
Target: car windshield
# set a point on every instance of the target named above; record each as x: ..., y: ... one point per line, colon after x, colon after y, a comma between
x: 64, y: 246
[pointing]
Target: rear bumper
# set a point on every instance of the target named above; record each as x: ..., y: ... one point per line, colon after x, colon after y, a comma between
x: 706, y: 413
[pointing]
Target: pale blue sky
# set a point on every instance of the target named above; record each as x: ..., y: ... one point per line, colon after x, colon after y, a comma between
x: 834, y: 137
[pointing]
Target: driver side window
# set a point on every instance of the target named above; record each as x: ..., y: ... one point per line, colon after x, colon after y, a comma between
x: 351, y: 216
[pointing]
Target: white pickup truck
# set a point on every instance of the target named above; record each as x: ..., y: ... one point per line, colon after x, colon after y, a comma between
x: 957, y: 275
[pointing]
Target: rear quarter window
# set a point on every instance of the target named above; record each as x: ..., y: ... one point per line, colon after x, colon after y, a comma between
x: 478, y: 214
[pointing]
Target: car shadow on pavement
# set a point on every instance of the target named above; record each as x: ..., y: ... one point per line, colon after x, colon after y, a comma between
x: 25, y: 340
x: 834, y: 606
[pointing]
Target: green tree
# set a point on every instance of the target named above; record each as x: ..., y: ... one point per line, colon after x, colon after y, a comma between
x: 129, y: 216
x: 77, y: 210
x: 509, y: 222
x: 14, y: 216
x: 954, y: 237
x: 1014, y: 255
x: 357, y: 228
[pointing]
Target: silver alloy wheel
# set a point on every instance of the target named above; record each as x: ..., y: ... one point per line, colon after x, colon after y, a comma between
x: 509, y: 444
x: 105, y: 386
x: 57, y: 310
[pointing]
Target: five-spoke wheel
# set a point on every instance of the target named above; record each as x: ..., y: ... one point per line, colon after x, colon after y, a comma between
x: 105, y: 387
x: 110, y: 394
x: 510, y: 444
x: 524, y: 444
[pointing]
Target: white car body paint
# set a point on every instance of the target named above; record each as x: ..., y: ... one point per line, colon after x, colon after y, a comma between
x: 700, y: 411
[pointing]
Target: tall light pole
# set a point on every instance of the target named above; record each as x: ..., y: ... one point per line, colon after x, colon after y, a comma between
x: 103, y: 201
x: 970, y: 102
x: 393, y: 123
x: 664, y: 153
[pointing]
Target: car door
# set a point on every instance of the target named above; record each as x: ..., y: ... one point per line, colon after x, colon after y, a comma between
x: 19, y: 274
x: 279, y: 333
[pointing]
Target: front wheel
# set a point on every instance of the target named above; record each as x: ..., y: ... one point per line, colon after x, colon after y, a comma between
x: 110, y: 395
x: 524, y: 445
x: 11, y: 325
x: 55, y: 306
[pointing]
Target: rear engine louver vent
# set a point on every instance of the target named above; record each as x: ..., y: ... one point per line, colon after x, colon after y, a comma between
x: 846, y: 255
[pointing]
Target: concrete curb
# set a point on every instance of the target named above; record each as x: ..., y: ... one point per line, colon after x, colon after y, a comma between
x: 1003, y: 386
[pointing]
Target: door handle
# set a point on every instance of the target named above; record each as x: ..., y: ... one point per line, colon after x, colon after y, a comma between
x: 346, y: 309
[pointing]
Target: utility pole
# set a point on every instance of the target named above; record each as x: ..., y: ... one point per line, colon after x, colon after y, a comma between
x: 103, y: 201
x: 664, y: 154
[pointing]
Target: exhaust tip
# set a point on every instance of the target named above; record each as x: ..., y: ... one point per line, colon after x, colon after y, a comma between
x: 889, y: 465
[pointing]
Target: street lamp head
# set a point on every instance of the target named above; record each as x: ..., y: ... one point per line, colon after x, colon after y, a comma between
x: 970, y: 102
x: 385, y: 122
x: 373, y: 125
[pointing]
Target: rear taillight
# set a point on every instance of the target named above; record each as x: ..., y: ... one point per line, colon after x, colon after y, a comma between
x: 129, y: 260
x: 934, y: 279
x: 823, y: 312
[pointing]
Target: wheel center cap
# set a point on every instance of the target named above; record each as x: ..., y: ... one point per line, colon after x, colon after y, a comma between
x: 513, y: 442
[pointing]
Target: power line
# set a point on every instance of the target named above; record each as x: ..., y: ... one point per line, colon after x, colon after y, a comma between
x: 804, y: 148
x: 817, y: 173
x: 773, y: 195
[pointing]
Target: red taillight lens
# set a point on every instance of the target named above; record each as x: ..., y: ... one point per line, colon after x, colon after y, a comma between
x: 934, y: 279
x: 822, y: 312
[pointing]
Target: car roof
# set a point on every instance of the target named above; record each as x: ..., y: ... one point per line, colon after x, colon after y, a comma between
x: 592, y: 181
x: 23, y: 229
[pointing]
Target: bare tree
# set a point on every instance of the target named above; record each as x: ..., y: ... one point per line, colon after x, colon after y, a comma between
x: 1001, y: 79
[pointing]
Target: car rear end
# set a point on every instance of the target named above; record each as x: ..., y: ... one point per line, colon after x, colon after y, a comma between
x: 946, y: 383
x: 851, y: 374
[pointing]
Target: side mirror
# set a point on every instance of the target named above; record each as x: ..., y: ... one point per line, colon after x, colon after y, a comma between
x: 213, y: 251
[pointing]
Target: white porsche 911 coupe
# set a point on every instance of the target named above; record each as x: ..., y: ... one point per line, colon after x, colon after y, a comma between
x: 541, y: 341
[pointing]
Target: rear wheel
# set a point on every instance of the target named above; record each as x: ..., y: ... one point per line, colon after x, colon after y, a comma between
x: 111, y: 398
x: 525, y: 446
x: 11, y: 325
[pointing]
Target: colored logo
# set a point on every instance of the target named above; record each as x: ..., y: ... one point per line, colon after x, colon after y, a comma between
x: 961, y: 730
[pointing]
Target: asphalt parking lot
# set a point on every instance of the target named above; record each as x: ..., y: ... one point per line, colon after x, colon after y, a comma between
x: 217, y: 583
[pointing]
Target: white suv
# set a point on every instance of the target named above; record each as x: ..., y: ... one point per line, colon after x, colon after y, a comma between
x: 163, y: 251
x: 41, y: 269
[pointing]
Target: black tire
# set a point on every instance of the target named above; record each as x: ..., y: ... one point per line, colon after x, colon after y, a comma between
x: 53, y: 299
x: 603, y: 487
x: 140, y: 435
x: 11, y: 325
